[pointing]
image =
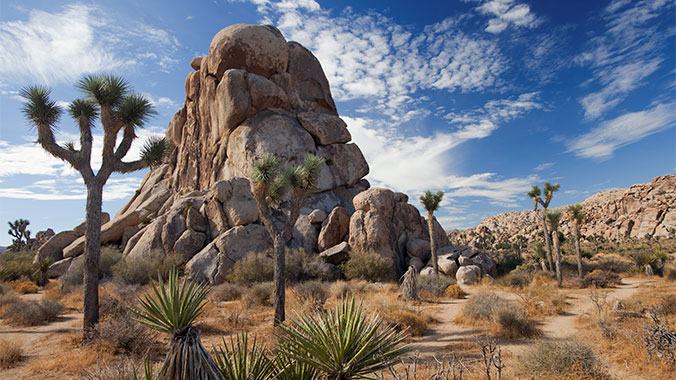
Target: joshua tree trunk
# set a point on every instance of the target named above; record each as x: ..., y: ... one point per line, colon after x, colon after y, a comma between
x: 548, y: 241
x: 433, y: 248
x: 92, y: 253
x: 557, y: 248
x: 280, y: 280
x: 578, y: 250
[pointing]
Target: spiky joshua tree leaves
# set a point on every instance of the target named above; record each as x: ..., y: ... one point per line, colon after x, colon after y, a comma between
x: 109, y: 99
x: 431, y: 202
x: 577, y: 216
x: 554, y: 221
x: 270, y: 185
x: 548, y: 192
x: 171, y: 309
x: 342, y: 344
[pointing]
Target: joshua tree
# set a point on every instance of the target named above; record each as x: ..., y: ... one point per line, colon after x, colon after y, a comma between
x: 548, y: 192
x: 109, y: 98
x: 554, y: 220
x: 18, y: 230
x: 576, y: 216
x: 431, y: 203
x: 270, y: 186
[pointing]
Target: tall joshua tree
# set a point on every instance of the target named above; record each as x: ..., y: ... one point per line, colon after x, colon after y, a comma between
x: 576, y: 216
x: 270, y: 185
x: 109, y: 99
x: 548, y: 192
x: 554, y: 221
x: 431, y: 202
x: 19, y: 231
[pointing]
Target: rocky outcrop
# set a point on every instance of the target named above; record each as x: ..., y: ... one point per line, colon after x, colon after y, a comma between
x: 640, y: 210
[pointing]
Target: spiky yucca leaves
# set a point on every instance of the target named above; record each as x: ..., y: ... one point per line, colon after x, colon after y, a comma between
x: 174, y: 306
x: 86, y: 109
x: 154, y: 150
x: 431, y: 200
x: 241, y: 361
x: 290, y: 369
x: 104, y: 89
x: 172, y: 309
x: 342, y: 344
x: 135, y: 110
x: 38, y: 107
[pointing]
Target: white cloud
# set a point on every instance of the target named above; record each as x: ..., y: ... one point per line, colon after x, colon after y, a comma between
x: 60, y: 47
x: 67, y: 189
x: 629, y: 51
x: 602, y: 141
x: 543, y: 166
x: 506, y: 13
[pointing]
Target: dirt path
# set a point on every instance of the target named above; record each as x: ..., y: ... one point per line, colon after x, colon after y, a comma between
x: 39, y: 341
x: 448, y: 335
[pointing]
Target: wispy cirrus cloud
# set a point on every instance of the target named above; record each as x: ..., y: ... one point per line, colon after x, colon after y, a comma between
x: 62, y: 46
x: 506, y: 13
x: 629, y: 50
x: 610, y: 135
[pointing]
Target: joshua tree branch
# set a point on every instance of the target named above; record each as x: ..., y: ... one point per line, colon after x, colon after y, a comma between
x: 48, y: 143
x: 125, y: 144
x: 126, y: 167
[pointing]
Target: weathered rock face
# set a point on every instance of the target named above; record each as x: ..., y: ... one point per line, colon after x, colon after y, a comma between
x: 253, y: 94
x: 643, y: 209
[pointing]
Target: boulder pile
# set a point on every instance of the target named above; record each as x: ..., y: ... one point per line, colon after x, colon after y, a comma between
x: 254, y: 94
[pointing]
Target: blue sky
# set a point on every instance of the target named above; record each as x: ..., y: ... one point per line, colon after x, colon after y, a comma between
x: 480, y: 99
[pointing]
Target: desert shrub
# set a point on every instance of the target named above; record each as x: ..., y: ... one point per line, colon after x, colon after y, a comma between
x: 110, y: 255
x: 301, y: 266
x: 342, y: 289
x: 123, y: 335
x: 520, y: 277
x: 226, y: 292
x: 260, y: 294
x: 367, y: 266
x: 31, y: 313
x: 139, y: 271
x: 312, y: 293
x: 254, y: 268
x: 236, y: 318
x: 670, y: 272
x: 17, y: 265
x: 541, y: 297
x: 644, y: 257
x: 24, y: 287
x: 404, y: 318
x: 113, y: 370
x: 561, y: 359
x: 611, y: 263
x: 600, y: 279
x: 11, y: 353
x: 455, y: 291
x: 433, y: 285
x: 8, y: 296
x: 668, y: 304
x: 507, y: 261
x: 509, y: 320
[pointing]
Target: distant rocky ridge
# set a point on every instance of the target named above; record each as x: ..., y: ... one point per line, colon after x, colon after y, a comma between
x: 640, y: 210
x: 254, y: 94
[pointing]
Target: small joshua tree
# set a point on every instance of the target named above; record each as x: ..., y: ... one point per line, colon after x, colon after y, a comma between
x: 109, y: 99
x: 576, y: 216
x: 270, y: 186
x: 18, y: 230
x: 554, y: 220
x: 431, y: 202
x: 548, y: 191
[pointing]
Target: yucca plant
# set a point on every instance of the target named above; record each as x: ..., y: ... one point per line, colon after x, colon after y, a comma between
x: 172, y: 309
x: 241, y: 361
x: 342, y: 344
x: 287, y: 368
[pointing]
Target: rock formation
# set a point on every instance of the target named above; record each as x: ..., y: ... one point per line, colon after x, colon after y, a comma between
x: 254, y: 94
x: 640, y: 210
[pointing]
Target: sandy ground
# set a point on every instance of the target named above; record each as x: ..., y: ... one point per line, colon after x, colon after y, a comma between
x: 448, y: 335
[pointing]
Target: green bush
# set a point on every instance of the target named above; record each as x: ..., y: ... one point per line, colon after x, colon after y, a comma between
x: 110, y: 255
x: 367, y: 266
x: 433, y: 285
x: 31, y: 313
x: 139, y: 271
x: 254, y: 268
x: 313, y: 293
x: 226, y: 292
x: 567, y: 358
x: 17, y: 265
x: 260, y: 294
x: 299, y: 266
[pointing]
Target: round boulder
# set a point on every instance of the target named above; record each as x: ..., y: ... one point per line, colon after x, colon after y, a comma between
x: 259, y: 49
x: 468, y: 275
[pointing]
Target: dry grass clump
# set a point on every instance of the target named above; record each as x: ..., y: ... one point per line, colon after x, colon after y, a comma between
x: 401, y: 315
x: 31, y: 313
x: 24, y: 287
x: 299, y: 266
x: 226, y: 292
x: 542, y: 298
x: 11, y: 353
x: 670, y: 272
x: 139, y: 271
x: 455, y: 291
x: 119, y: 333
x: 312, y: 294
x: 504, y: 318
x: 368, y: 266
x: 433, y: 286
x: 17, y: 265
x: 563, y: 359
x: 259, y: 294
x: 113, y: 370
x: 601, y: 279
x: 342, y: 289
